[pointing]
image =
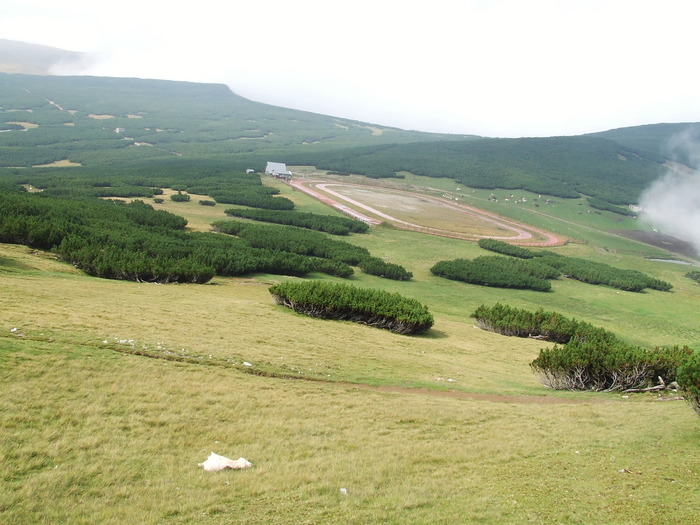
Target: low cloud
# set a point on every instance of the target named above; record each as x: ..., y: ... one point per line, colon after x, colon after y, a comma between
x: 672, y: 203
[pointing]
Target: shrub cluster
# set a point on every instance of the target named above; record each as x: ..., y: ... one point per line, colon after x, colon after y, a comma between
x: 584, y: 357
x: 606, y: 365
x: 313, y: 244
x: 375, y: 266
x: 312, y: 221
x: 361, y: 305
x: 694, y: 275
x: 581, y: 269
x: 505, y: 248
x: 294, y: 240
x: 252, y: 199
x: 501, y: 272
x: 600, y: 204
x: 180, y: 197
x: 135, y: 242
x: 688, y: 378
x: 599, y: 273
x: 550, y: 326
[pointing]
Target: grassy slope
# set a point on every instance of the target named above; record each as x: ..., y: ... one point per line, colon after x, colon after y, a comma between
x: 123, y: 434
x: 93, y: 433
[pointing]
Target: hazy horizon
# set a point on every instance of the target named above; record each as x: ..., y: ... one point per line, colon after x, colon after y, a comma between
x: 497, y: 68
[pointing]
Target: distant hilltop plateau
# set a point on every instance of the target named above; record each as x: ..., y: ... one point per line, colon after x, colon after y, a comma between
x: 34, y: 59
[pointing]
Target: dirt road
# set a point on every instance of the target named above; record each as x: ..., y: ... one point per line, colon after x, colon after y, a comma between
x: 522, y: 234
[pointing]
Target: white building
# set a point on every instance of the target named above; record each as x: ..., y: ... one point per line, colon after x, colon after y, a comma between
x: 278, y: 169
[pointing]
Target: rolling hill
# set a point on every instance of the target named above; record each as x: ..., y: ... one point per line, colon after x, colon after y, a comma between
x: 34, y: 59
x: 95, y: 121
x: 112, y: 391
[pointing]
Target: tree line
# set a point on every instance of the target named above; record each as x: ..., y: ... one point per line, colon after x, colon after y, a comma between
x: 133, y: 241
x: 313, y: 244
x: 312, y: 221
x: 581, y: 269
x: 564, y: 167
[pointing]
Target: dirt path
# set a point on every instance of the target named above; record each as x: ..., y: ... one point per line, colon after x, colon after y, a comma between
x: 523, y: 234
x: 457, y: 394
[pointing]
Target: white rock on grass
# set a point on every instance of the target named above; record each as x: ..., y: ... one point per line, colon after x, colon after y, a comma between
x: 215, y: 463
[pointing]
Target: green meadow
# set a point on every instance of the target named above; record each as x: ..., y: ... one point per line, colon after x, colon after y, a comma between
x: 114, y: 391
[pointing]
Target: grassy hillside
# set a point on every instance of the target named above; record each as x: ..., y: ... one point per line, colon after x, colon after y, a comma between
x: 100, y: 121
x: 33, y: 59
x: 96, y: 121
x: 111, y: 392
x: 114, y: 391
x: 653, y: 141
x: 559, y: 166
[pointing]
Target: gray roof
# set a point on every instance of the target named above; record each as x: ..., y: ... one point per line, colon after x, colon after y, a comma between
x: 277, y: 167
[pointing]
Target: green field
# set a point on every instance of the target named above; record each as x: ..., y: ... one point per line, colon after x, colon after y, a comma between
x: 114, y: 391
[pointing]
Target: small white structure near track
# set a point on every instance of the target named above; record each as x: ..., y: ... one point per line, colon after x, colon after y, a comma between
x: 278, y: 170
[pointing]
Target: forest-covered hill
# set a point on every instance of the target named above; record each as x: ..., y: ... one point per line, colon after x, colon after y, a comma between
x: 99, y: 121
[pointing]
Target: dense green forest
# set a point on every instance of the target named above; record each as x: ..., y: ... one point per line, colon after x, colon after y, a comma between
x: 560, y: 166
x: 98, y: 121
x: 114, y: 240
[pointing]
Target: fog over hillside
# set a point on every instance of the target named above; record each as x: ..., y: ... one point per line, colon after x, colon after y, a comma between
x: 672, y: 203
x: 502, y: 68
x: 32, y: 59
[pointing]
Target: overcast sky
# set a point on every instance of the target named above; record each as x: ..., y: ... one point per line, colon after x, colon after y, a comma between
x: 506, y: 68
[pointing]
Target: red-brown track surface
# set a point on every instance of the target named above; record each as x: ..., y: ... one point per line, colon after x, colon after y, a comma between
x: 522, y: 234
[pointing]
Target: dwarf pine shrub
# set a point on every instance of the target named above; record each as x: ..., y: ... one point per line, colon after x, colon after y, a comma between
x: 688, y: 378
x: 372, y: 307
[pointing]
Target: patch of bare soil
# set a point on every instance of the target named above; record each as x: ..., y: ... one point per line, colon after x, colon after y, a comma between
x: 660, y: 240
x: 65, y: 163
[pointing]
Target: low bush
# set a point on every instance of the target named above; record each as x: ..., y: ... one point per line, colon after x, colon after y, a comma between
x: 494, y: 245
x: 688, y: 378
x: 694, y: 275
x: 584, y: 357
x: 606, y: 365
x: 549, y: 326
x: 361, y: 305
x: 180, y: 197
x: 500, y: 272
x: 376, y: 266
x: 599, y: 273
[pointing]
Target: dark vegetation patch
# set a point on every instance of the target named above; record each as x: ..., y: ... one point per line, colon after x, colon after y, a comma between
x: 312, y: 244
x: 602, y: 204
x: 660, y: 240
x: 111, y: 239
x: 564, y: 167
x: 312, y: 221
x: 372, y: 307
x: 500, y: 272
x: 586, y: 357
x: 576, y: 268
